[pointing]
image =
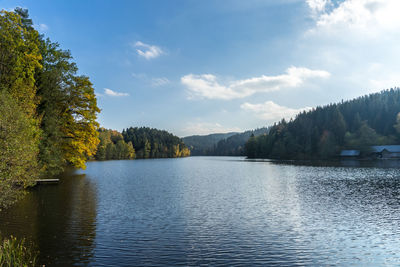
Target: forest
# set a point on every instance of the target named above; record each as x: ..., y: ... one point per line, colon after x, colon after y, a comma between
x: 324, y: 131
x: 142, y: 143
x: 154, y: 143
x: 227, y: 144
x: 113, y: 146
x: 203, y: 145
x: 47, y: 111
x: 235, y: 144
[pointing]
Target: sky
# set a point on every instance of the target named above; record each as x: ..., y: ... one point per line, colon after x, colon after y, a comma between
x: 199, y: 67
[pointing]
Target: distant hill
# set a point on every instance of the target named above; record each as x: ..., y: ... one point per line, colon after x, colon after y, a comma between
x: 229, y: 144
x: 201, y: 145
x: 235, y: 144
x: 324, y: 131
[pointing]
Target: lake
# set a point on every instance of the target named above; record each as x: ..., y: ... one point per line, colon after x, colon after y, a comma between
x: 216, y: 211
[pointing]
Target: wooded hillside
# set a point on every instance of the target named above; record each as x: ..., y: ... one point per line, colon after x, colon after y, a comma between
x: 322, y: 132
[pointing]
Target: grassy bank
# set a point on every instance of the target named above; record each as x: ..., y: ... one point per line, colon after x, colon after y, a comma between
x: 14, y: 252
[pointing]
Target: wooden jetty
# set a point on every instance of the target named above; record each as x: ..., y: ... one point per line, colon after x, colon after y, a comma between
x: 47, y: 181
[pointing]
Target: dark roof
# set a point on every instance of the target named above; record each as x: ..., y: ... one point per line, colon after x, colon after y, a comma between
x: 390, y: 148
x: 350, y: 153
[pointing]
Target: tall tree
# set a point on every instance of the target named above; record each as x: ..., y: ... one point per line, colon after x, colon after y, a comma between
x: 80, y: 125
x: 18, y: 150
x: 19, y: 123
x: 397, y: 125
x: 19, y: 59
x: 52, y: 81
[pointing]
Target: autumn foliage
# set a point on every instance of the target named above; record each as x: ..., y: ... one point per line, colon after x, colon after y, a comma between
x: 47, y: 112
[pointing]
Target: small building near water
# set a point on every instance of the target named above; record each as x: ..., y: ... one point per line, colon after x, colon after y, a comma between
x: 386, y: 152
x: 350, y: 153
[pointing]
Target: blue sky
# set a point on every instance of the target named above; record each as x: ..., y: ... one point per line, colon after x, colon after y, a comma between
x: 199, y: 67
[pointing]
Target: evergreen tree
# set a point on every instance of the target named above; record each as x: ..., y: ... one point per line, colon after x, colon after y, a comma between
x: 150, y: 143
x: 324, y: 131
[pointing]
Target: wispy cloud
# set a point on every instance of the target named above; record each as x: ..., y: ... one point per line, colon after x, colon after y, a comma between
x: 148, y: 51
x: 153, y: 81
x: 271, y: 111
x: 156, y: 82
x: 208, y: 86
x: 139, y: 75
x: 110, y: 92
x: 42, y: 27
x: 203, y: 128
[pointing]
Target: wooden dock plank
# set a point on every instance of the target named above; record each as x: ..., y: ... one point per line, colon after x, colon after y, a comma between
x: 43, y: 181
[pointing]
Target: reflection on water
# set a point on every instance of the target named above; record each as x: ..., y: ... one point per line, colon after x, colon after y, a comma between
x: 216, y: 211
x: 56, y: 220
x: 379, y: 163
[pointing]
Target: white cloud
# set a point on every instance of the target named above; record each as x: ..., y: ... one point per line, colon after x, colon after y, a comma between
x: 148, y: 51
x: 159, y: 81
x: 271, y: 111
x: 318, y: 6
x: 207, y: 85
x: 42, y: 27
x: 110, y: 92
x: 370, y: 17
x: 350, y: 36
x: 203, y: 128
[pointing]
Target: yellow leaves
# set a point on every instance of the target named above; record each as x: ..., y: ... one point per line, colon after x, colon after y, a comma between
x: 81, y: 128
x: 73, y: 135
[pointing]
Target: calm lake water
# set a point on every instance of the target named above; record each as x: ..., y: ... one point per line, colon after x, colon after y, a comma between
x: 214, y: 210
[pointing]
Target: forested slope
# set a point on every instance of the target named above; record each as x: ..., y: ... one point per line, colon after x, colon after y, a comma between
x: 235, y: 144
x: 202, y: 145
x: 322, y: 132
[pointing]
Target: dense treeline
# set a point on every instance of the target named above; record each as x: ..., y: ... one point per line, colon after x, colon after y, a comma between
x: 153, y: 143
x: 235, y: 144
x: 203, y: 145
x: 113, y: 146
x: 324, y: 131
x: 47, y: 111
x: 227, y: 144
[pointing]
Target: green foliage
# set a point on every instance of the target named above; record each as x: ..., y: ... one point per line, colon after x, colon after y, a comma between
x: 153, y: 143
x: 229, y: 144
x: 113, y: 146
x: 19, y: 59
x: 51, y: 81
x: 235, y: 144
x: 397, y: 125
x: 19, y: 124
x: 324, y: 131
x: 201, y: 145
x: 251, y: 147
x: 47, y: 112
x: 18, y: 150
x: 14, y: 252
x: 79, y: 122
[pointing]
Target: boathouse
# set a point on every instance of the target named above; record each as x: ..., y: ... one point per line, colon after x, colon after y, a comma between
x: 386, y: 152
